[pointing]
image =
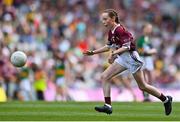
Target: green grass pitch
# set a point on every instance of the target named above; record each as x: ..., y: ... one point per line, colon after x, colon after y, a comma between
x: 84, y: 111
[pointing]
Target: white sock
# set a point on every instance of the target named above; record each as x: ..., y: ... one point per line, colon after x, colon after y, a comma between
x: 166, y: 100
x: 108, y: 105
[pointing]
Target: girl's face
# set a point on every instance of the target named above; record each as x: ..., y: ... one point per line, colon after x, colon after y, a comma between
x: 106, y: 20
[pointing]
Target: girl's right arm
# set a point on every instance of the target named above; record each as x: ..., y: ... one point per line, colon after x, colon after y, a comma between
x: 100, y: 50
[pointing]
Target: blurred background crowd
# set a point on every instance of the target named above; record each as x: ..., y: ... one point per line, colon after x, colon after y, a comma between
x: 53, y: 33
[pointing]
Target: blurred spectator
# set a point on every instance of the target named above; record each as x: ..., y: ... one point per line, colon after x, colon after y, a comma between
x: 39, y: 81
x: 25, y: 85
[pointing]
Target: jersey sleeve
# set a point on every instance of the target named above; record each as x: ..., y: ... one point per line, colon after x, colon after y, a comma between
x: 127, y: 45
x: 109, y: 44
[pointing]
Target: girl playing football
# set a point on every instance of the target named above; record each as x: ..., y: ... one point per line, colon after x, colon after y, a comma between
x: 123, y: 57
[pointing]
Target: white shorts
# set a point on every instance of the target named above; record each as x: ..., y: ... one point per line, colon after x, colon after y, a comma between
x: 130, y: 60
x: 125, y: 73
x: 148, y: 63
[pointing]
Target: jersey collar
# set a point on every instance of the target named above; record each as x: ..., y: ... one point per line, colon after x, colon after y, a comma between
x: 115, y: 28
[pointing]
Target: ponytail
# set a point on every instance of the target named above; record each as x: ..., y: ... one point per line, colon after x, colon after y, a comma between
x: 112, y: 13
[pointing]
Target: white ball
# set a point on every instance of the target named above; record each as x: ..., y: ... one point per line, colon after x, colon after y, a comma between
x: 18, y: 58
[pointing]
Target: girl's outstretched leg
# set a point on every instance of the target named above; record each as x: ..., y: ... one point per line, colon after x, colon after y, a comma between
x: 167, y: 100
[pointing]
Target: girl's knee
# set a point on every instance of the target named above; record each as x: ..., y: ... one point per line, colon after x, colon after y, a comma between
x: 143, y: 87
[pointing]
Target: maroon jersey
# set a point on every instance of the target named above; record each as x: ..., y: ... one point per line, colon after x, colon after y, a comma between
x: 120, y: 37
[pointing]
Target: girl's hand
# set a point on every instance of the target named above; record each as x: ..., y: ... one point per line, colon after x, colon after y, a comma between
x: 111, y: 58
x: 88, y: 53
